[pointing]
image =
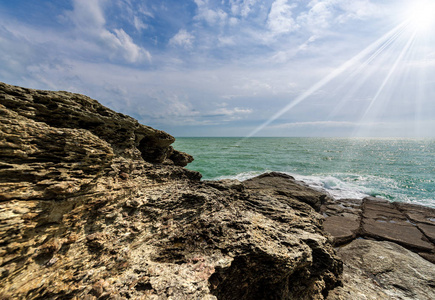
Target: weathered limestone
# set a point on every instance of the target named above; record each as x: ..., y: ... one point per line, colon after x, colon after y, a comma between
x: 279, y: 184
x: 94, y: 205
x: 343, y: 219
x: 382, y: 220
x: 67, y: 110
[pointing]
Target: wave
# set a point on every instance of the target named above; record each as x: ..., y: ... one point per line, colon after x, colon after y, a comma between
x: 333, y: 185
x: 242, y: 176
x: 337, y: 188
x: 350, y: 186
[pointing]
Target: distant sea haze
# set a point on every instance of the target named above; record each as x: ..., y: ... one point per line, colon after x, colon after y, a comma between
x: 395, y: 169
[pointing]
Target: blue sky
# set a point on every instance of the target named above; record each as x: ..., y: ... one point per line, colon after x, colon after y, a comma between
x: 234, y: 67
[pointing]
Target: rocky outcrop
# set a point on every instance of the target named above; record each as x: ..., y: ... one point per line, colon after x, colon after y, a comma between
x: 65, y: 111
x: 94, y: 205
x: 372, y: 269
x: 280, y: 184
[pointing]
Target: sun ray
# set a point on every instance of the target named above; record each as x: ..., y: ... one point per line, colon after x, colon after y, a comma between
x: 371, y: 49
x: 362, y: 73
x: 389, y: 75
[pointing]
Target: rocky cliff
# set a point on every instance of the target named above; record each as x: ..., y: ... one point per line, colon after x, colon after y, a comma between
x: 94, y: 205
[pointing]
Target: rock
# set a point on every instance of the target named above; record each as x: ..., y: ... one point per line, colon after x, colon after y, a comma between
x: 281, y: 184
x: 343, y: 219
x: 66, y: 110
x: 422, y: 217
x: 180, y: 158
x: 94, y: 205
x: 382, y: 220
x: 410, y: 225
x: 383, y: 270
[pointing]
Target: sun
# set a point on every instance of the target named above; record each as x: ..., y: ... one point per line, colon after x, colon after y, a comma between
x: 422, y: 15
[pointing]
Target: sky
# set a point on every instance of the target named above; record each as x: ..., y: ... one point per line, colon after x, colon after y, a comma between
x: 333, y: 68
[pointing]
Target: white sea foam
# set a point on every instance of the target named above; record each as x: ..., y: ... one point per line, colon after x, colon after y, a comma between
x: 242, y: 176
x: 347, y: 186
x: 336, y: 187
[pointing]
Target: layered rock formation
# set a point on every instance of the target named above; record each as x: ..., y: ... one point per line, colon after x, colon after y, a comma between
x: 94, y: 205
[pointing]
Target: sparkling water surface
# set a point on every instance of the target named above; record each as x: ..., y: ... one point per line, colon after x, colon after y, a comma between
x: 394, y: 169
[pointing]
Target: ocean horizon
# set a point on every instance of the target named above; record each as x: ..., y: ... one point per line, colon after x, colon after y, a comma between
x: 396, y: 169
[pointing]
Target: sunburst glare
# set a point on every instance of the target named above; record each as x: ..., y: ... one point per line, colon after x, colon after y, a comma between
x: 422, y: 15
x: 390, y: 59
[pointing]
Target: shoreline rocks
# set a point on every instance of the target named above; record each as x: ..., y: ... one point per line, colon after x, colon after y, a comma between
x: 387, y: 249
x: 94, y: 205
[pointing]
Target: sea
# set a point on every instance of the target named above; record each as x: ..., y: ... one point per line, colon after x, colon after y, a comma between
x: 394, y: 169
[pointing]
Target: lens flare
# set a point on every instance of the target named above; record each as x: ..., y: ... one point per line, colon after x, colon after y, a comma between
x: 422, y: 15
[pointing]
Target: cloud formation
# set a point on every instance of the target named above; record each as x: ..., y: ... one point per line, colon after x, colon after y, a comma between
x: 280, y: 18
x: 227, y: 65
x: 182, y: 38
x: 90, y: 25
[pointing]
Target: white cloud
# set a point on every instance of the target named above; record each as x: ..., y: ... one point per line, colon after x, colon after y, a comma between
x: 138, y: 24
x: 131, y: 52
x: 323, y: 13
x: 357, y: 9
x: 280, y: 18
x: 88, y: 18
x: 213, y: 16
x: 233, y: 21
x: 318, y: 17
x: 329, y: 124
x: 242, y: 7
x: 226, y: 41
x: 275, y: 53
x: 315, y: 124
x: 230, y: 112
x: 182, y: 38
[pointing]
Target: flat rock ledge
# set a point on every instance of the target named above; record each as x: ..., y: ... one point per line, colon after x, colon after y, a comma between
x: 387, y: 248
x: 409, y: 225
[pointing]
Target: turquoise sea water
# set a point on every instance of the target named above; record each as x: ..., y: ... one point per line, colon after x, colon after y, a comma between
x: 394, y: 169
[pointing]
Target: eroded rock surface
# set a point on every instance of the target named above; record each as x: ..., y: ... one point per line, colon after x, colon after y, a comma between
x: 96, y: 206
x: 383, y: 270
x: 64, y: 110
